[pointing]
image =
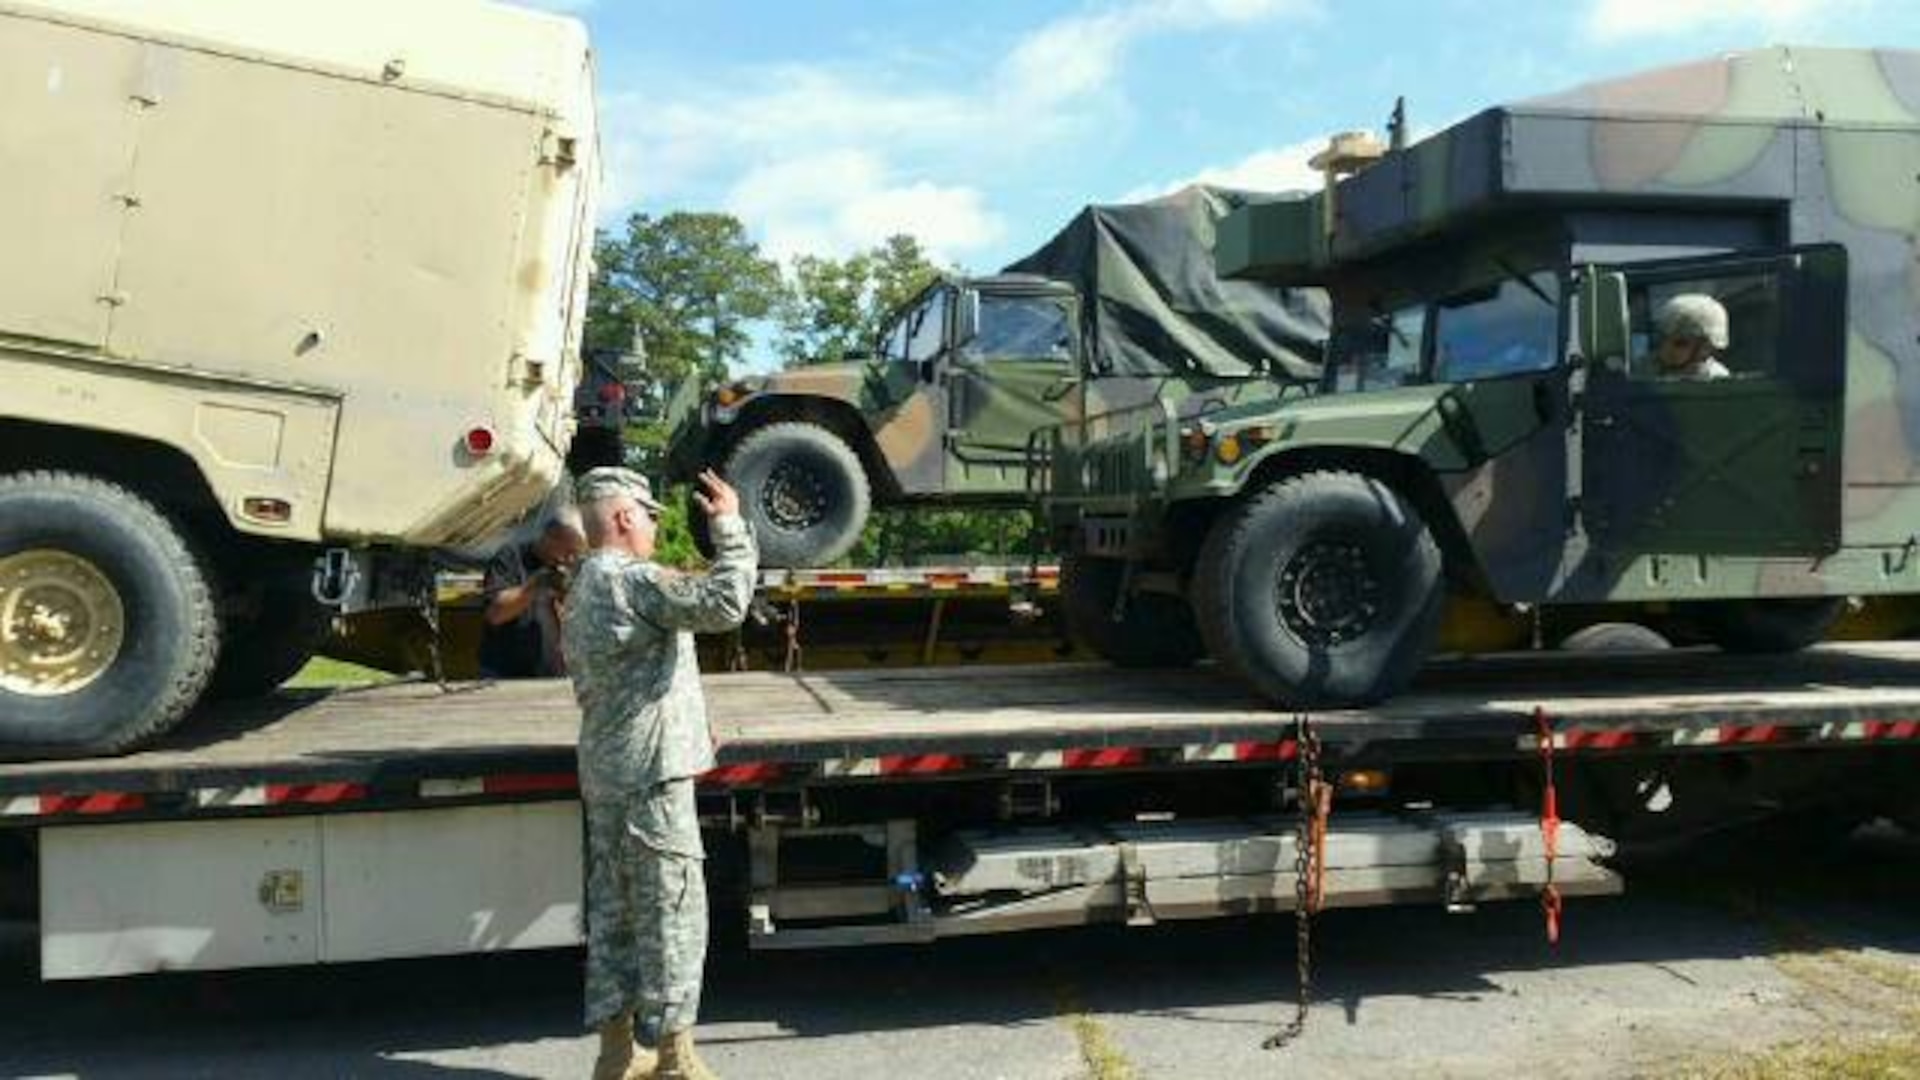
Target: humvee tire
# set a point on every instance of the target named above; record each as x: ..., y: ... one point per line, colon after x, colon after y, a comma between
x: 1154, y: 630
x: 803, y: 492
x: 108, y: 631
x: 1324, y: 589
x: 1611, y: 637
x: 1770, y: 626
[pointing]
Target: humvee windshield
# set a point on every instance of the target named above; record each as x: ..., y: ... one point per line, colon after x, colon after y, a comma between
x: 1510, y: 327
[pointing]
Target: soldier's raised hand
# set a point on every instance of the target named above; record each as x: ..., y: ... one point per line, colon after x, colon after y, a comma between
x: 716, y: 497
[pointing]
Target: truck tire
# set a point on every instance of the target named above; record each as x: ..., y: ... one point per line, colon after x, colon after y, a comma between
x: 803, y: 492
x: 1324, y: 589
x: 1154, y: 630
x: 1770, y: 626
x: 108, y: 630
x: 1614, y: 637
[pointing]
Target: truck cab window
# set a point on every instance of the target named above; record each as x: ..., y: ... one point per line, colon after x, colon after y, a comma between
x: 1382, y: 353
x: 1022, y: 328
x: 926, y: 326
x: 1506, y: 329
x: 1704, y: 328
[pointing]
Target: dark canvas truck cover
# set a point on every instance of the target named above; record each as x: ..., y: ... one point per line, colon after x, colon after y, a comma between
x: 1155, y: 302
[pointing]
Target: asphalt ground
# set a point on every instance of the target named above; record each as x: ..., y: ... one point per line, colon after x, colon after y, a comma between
x: 1736, y: 958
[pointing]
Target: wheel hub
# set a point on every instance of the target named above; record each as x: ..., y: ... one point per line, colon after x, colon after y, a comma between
x: 795, y: 498
x: 61, y: 623
x: 1327, y: 593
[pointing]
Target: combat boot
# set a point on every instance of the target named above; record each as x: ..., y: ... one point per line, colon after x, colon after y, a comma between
x: 619, y: 1058
x: 679, y: 1062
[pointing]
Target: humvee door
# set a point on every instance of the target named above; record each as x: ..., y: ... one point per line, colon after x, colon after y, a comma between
x: 1747, y: 462
x: 1013, y: 372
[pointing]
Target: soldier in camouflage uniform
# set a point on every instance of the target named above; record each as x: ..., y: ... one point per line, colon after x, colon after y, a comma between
x: 1693, y: 332
x: 643, y: 740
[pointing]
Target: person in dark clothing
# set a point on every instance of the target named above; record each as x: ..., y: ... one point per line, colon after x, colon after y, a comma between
x: 524, y: 587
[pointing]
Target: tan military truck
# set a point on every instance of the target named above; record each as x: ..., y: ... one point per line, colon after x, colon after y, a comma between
x: 282, y: 284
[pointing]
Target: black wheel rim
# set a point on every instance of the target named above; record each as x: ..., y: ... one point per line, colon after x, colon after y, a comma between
x: 795, y: 497
x: 1328, y: 593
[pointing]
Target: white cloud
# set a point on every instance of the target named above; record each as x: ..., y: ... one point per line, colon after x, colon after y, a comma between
x: 1281, y: 168
x: 845, y: 200
x: 828, y: 158
x: 566, y: 7
x: 1614, y: 20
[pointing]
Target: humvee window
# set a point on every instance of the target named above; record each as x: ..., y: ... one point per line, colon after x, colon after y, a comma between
x: 1752, y: 302
x: 1383, y: 353
x: 1505, y: 329
x: 1021, y: 327
x: 926, y: 326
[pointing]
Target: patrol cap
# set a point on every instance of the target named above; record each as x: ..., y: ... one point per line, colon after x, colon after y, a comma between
x: 612, y: 481
x: 1694, y: 315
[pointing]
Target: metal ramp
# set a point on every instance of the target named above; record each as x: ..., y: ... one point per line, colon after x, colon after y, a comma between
x: 1144, y: 872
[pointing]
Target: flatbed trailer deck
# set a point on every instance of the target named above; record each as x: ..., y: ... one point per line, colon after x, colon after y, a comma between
x: 856, y: 807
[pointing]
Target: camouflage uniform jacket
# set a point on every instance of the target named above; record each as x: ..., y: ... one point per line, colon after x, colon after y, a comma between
x: 628, y: 637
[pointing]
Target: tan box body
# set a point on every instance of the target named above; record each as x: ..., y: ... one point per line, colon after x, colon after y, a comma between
x: 309, y: 245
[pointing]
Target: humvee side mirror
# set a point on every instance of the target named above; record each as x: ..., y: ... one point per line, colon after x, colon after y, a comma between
x: 967, y: 317
x: 1604, y: 323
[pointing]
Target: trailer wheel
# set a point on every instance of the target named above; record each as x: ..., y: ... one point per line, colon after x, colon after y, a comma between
x: 1323, y: 589
x: 108, y: 631
x: 1770, y: 626
x: 1154, y: 630
x: 803, y: 491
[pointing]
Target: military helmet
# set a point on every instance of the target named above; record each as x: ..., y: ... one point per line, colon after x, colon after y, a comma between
x: 1694, y: 315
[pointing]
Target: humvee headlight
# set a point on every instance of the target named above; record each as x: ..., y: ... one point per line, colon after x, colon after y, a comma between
x: 1194, y: 441
x: 1228, y: 449
x: 728, y: 396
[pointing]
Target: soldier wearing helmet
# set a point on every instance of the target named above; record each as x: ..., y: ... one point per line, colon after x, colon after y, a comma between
x: 1693, y: 331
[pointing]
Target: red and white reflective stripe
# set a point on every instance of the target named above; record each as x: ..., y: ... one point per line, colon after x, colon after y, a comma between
x: 1101, y: 757
x: 90, y: 803
x: 1870, y: 731
x: 1107, y: 757
x: 1753, y: 734
x: 1283, y: 750
x: 920, y: 764
x: 894, y: 765
x: 214, y: 798
x: 505, y: 784
x: 314, y: 794
x: 1605, y: 739
x: 746, y: 773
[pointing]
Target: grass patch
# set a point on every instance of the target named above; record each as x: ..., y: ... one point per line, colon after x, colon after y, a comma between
x: 1098, y: 1055
x: 1864, y: 1057
x: 326, y: 673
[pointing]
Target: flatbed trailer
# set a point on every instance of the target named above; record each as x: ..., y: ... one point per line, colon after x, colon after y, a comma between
x: 860, y: 807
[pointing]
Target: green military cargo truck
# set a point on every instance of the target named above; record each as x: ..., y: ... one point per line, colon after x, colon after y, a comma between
x: 280, y: 281
x: 1498, y: 417
x: 1122, y: 307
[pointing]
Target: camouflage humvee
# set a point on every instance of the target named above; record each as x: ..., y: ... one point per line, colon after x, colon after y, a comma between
x: 1497, y: 417
x: 1123, y: 307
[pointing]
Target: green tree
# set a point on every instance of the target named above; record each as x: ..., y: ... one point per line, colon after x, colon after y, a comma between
x: 677, y: 293
x: 835, y: 307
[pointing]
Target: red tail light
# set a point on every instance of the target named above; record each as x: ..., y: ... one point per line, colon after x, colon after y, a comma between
x: 480, y: 441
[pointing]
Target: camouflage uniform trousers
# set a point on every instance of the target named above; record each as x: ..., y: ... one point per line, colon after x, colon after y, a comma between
x: 646, y: 910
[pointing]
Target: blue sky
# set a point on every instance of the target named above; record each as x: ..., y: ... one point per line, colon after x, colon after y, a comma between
x: 981, y: 126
